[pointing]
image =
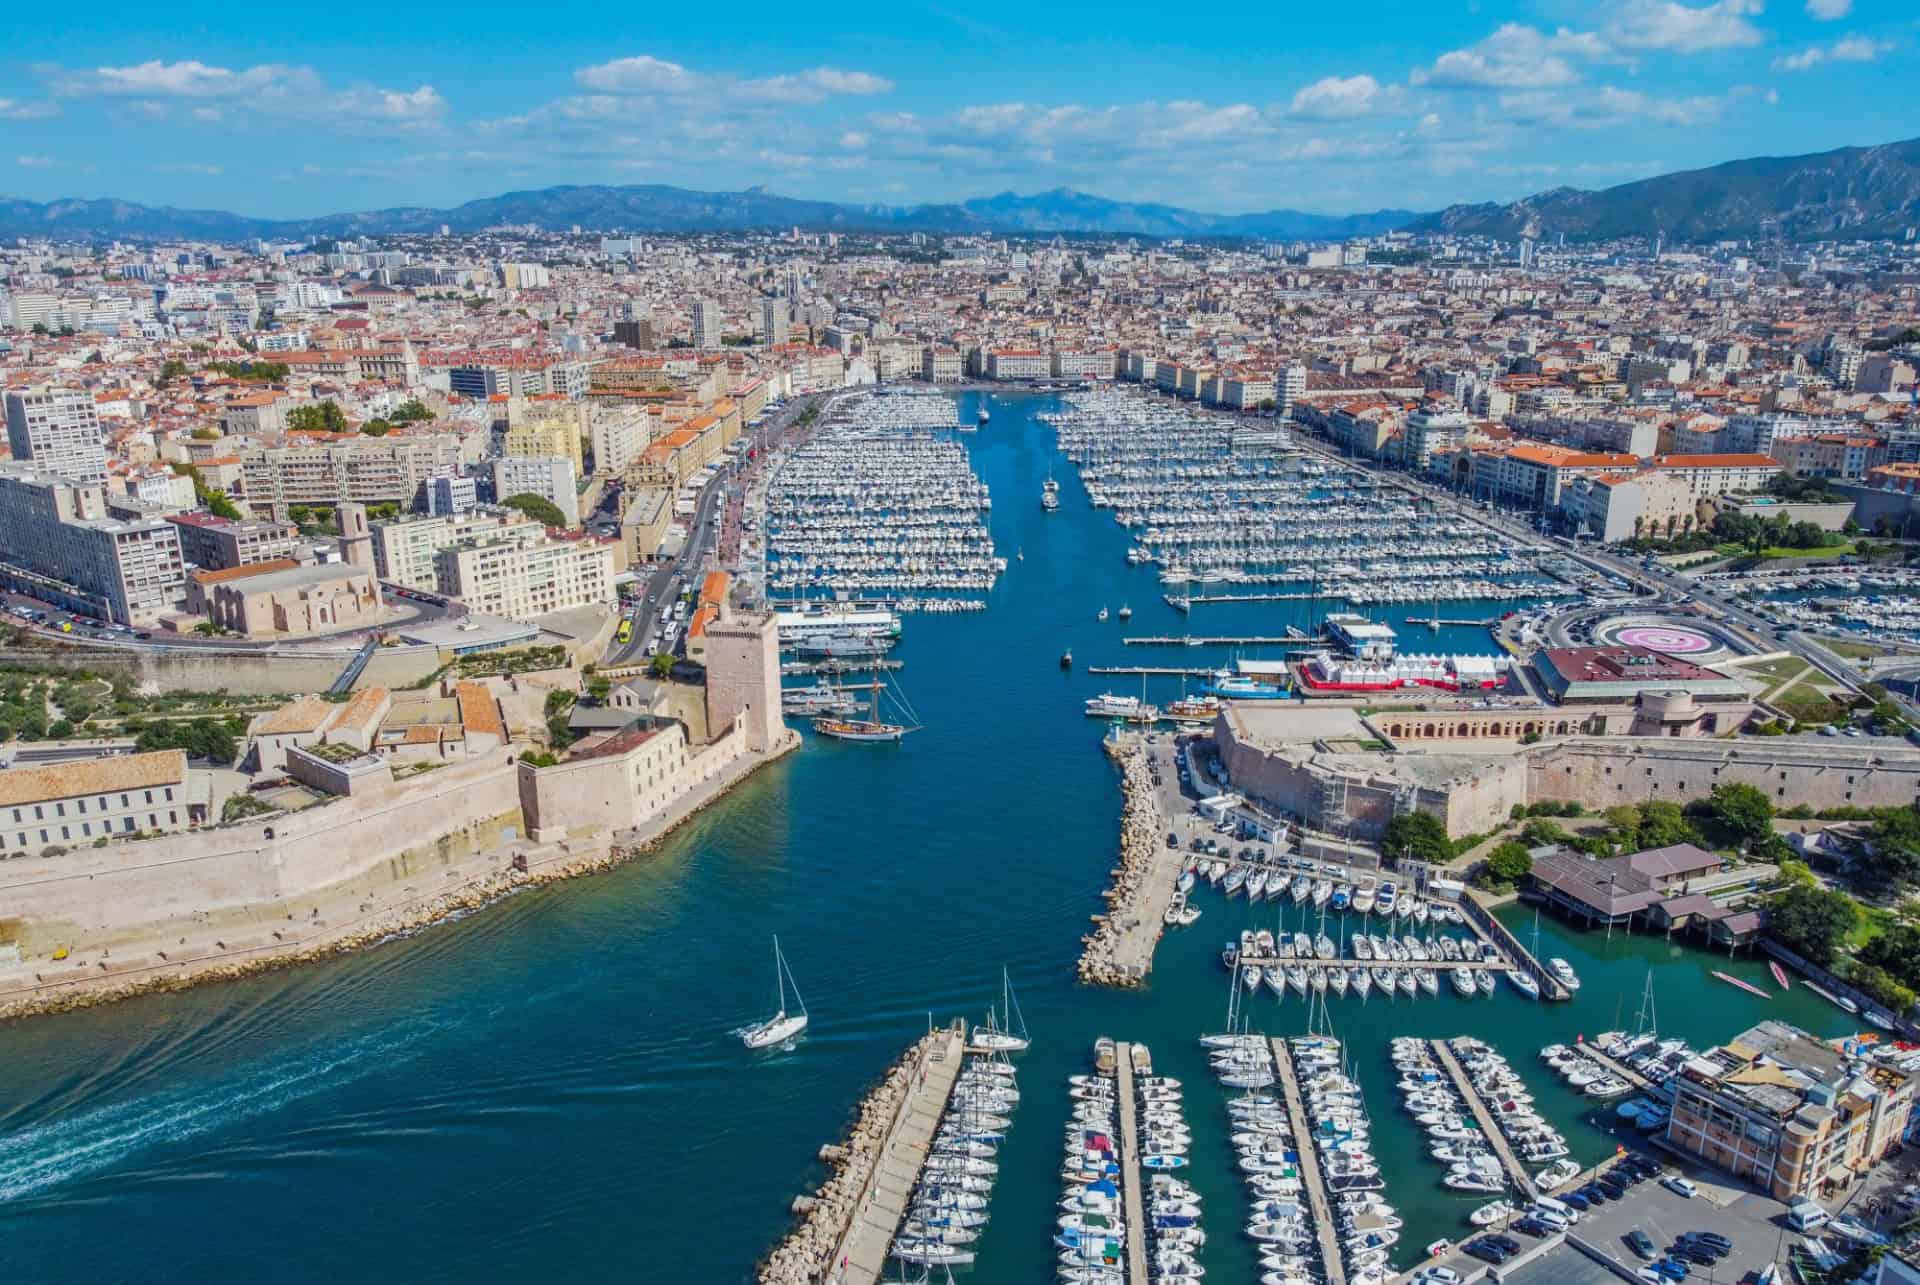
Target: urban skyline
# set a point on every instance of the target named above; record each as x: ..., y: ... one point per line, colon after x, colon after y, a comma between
x: 1491, y: 102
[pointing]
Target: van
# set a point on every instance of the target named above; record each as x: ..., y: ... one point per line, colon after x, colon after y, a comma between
x: 1805, y: 1215
x: 1560, y: 1208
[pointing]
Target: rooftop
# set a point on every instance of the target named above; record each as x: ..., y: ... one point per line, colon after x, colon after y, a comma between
x: 22, y: 785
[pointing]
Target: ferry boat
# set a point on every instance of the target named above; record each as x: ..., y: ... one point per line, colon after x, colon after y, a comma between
x: 1227, y: 685
x: 810, y: 623
x: 1129, y: 708
x: 1192, y: 709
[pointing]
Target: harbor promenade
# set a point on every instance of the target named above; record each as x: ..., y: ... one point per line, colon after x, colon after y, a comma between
x: 1130, y: 1194
x: 1318, y: 1201
x: 1516, y: 1172
x: 861, y: 1257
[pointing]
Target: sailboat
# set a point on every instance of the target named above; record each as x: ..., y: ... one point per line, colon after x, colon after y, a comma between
x: 868, y: 729
x: 1000, y: 1038
x: 782, y: 1026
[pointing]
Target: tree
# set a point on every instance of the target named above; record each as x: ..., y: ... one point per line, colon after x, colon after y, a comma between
x: 1883, y: 986
x: 205, y: 434
x: 1539, y: 832
x: 1813, y: 921
x: 1624, y: 821
x: 1418, y: 835
x: 171, y: 369
x: 1509, y: 863
x: 1742, y: 809
x: 537, y: 507
x: 1896, y: 949
x: 376, y: 428
x: 1896, y: 849
x: 411, y: 412
x: 661, y: 666
x: 221, y: 507
x: 317, y: 417
x: 559, y: 701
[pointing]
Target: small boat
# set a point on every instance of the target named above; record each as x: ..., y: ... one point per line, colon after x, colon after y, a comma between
x: 782, y: 1026
x: 1779, y: 975
x: 1563, y: 973
x: 1102, y: 615
x: 1745, y: 986
x: 1524, y: 983
x: 1066, y: 659
x: 999, y: 1035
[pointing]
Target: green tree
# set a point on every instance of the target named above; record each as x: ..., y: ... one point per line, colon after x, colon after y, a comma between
x: 1418, y: 835
x: 1624, y: 822
x: 1896, y: 949
x: 1509, y: 863
x: 173, y: 368
x: 537, y: 507
x: 661, y: 666
x: 1540, y: 831
x: 1883, y: 986
x: 376, y: 428
x: 559, y: 701
x: 1896, y: 849
x: 317, y: 417
x: 1813, y: 921
x: 1743, y: 810
x: 411, y: 412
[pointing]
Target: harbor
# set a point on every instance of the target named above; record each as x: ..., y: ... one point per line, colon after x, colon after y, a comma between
x: 601, y: 1014
x: 1490, y: 1131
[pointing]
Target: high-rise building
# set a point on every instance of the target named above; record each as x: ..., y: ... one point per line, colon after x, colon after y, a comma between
x: 706, y: 324
x: 58, y: 542
x: 59, y: 431
x: 450, y: 495
x: 773, y: 321
x: 1289, y: 387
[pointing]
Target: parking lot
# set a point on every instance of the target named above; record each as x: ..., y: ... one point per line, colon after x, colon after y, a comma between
x: 1752, y: 1222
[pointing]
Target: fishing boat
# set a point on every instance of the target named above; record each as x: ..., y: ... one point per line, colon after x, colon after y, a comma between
x: 782, y: 1026
x: 1007, y: 1033
x: 1779, y: 975
x: 1747, y: 987
x: 871, y: 729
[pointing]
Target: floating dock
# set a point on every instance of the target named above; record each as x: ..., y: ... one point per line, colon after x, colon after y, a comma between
x: 1617, y: 1067
x: 1150, y: 670
x: 1130, y: 1195
x: 883, y: 1205
x: 1319, y: 1203
x: 1516, y: 1172
x: 1209, y: 640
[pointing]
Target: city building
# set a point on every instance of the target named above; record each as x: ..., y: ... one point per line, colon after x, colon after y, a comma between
x: 706, y: 324
x: 364, y: 470
x: 452, y: 495
x: 504, y: 576
x: 1018, y: 364
x: 58, y: 431
x: 71, y: 804
x: 404, y: 548
x: 214, y: 543
x: 550, y: 477
x: 57, y: 542
x: 1790, y: 1113
x: 293, y: 602
x: 773, y: 320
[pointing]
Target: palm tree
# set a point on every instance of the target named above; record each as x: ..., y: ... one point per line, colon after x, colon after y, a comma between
x: 1639, y: 525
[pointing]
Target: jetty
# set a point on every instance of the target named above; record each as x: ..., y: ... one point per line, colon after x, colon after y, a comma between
x: 1166, y: 671
x: 1615, y: 1066
x: 1315, y: 1182
x: 1130, y: 1193
x: 1491, y: 929
x: 1213, y: 640
x: 1119, y: 951
x: 1516, y: 1172
x: 1434, y: 622
x: 854, y: 1213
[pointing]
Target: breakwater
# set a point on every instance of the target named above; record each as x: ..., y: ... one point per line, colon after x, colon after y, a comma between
x: 1119, y: 951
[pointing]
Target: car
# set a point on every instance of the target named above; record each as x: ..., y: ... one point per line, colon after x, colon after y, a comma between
x: 1640, y: 1243
x: 1577, y: 1200
x: 1487, y: 1253
x: 1697, y: 1254
x: 1173, y: 841
x: 1679, y: 1186
x: 1532, y: 1227
x: 1712, y: 1238
x: 1440, y: 1276
x: 1507, y: 1243
x: 1672, y: 1268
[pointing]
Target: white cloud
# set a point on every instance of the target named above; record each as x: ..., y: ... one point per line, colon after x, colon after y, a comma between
x: 1846, y: 49
x: 1514, y: 57
x: 1606, y: 108
x: 1829, y: 10
x: 853, y: 140
x: 186, y: 79
x: 1679, y: 28
x: 405, y: 107
x: 643, y: 74
x: 1336, y: 98
x: 14, y: 109
x: 38, y: 162
x: 271, y: 88
x: 835, y: 81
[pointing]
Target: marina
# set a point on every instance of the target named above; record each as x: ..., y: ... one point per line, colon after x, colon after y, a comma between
x: 1319, y: 1202
x: 1490, y: 1132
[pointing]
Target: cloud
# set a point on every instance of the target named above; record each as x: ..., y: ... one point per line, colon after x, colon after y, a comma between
x: 411, y: 106
x: 186, y: 79
x: 200, y: 169
x: 38, y: 162
x: 1829, y: 10
x: 1846, y: 49
x: 643, y: 74
x: 1607, y: 108
x: 1336, y: 98
x: 273, y: 88
x: 1678, y: 28
x: 14, y: 109
x: 853, y: 140
x: 1514, y: 57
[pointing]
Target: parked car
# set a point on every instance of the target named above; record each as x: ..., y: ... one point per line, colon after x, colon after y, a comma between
x: 1640, y: 1243
x: 1679, y: 1186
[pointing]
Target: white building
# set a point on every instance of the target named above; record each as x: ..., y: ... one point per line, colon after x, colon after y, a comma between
x: 1018, y: 363
x: 706, y: 324
x: 773, y: 320
x: 505, y: 577
x: 619, y: 435
x: 550, y: 477
x: 58, y: 542
x: 58, y: 429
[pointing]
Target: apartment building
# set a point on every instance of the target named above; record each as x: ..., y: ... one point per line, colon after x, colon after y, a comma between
x: 63, y: 804
x: 1071, y: 364
x: 705, y: 320
x: 618, y: 434
x: 1618, y: 507
x: 1532, y: 474
x: 1708, y: 476
x: 1788, y: 1112
x: 1290, y: 385
x: 940, y: 366
x: 548, y: 429
x: 216, y: 544
x: 364, y: 470
x: 521, y: 581
x: 1429, y: 431
x: 1018, y: 363
x: 551, y: 477
x: 1831, y: 455
x: 58, y: 431
x: 773, y: 320
x: 58, y: 541
x: 404, y: 548
x: 1244, y: 392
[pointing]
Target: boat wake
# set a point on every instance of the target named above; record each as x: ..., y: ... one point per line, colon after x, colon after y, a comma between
x: 75, y: 1147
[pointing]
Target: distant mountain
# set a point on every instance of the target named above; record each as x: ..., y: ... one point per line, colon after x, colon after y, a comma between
x: 1855, y: 191
x: 656, y: 208
x: 1850, y: 192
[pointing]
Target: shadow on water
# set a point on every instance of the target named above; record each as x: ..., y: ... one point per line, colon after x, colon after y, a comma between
x: 549, y: 1087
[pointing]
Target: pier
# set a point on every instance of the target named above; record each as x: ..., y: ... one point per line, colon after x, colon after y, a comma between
x: 1434, y: 622
x: 1150, y: 670
x: 1206, y: 640
x: 1130, y: 1195
x: 1119, y: 951
x: 1318, y: 1201
x: 1617, y: 1067
x: 1516, y: 1172
x: 1491, y: 929
x: 869, y: 1236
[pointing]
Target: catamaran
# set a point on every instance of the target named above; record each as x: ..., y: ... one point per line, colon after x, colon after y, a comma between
x: 1008, y: 1034
x: 782, y: 1026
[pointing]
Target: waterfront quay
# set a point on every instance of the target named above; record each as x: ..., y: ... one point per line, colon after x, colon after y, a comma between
x: 1130, y: 1193
x: 1311, y: 1178
x: 1119, y: 951
x: 848, y: 1225
x: 1516, y: 1172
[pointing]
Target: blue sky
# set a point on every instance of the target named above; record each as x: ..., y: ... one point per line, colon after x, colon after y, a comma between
x: 1228, y: 107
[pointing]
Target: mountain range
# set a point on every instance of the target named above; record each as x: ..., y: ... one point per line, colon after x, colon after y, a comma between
x: 1850, y: 192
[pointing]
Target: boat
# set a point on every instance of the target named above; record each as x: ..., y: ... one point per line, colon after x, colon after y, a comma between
x: 1049, y: 502
x: 983, y: 416
x: 1007, y: 1034
x: 1563, y: 973
x: 1524, y: 983
x: 1102, y: 615
x: 1731, y: 980
x: 782, y: 1026
x: 872, y: 729
x: 1128, y: 709
x: 1066, y: 659
x: 1126, y: 612
x: 1779, y: 975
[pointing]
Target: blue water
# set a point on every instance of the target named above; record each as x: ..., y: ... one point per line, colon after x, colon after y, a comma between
x: 547, y: 1090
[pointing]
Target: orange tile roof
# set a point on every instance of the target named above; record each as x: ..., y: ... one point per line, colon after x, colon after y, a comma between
x: 92, y: 776
x: 478, y: 710
x: 243, y: 571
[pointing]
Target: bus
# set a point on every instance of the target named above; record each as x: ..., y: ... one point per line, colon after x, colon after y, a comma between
x: 625, y: 633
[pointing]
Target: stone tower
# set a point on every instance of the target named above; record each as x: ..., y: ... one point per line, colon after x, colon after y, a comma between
x: 743, y: 678
x: 356, y: 541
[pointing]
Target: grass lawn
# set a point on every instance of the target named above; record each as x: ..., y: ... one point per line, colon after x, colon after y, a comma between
x: 1852, y: 650
x: 1828, y: 551
x: 1873, y: 921
x: 1783, y: 668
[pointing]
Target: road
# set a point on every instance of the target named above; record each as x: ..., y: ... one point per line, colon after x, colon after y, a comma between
x: 92, y: 632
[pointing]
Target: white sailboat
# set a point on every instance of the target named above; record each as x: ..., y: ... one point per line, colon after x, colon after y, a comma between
x: 1010, y: 1036
x: 782, y: 1026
